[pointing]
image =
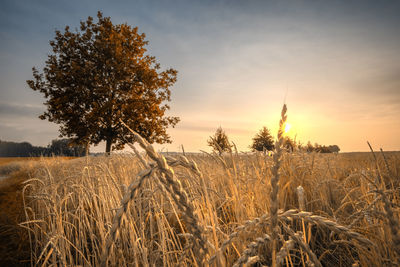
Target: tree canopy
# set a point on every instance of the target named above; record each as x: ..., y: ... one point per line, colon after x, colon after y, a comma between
x: 263, y: 141
x: 219, y: 142
x: 99, y: 75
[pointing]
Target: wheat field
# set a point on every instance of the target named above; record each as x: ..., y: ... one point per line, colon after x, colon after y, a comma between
x: 152, y: 209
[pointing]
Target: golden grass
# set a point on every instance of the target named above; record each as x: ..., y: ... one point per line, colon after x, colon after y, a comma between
x: 7, y: 160
x: 14, y: 242
x: 70, y: 207
x: 14, y: 239
x: 154, y: 210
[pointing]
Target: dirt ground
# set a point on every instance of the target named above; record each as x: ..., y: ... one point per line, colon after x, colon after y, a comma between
x: 14, y: 240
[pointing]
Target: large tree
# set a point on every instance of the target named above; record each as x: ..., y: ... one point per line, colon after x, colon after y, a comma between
x: 99, y: 75
x: 263, y: 141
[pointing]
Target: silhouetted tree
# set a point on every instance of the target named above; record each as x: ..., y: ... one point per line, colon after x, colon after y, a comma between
x: 65, y: 147
x: 99, y: 75
x: 219, y: 142
x: 321, y: 148
x: 309, y: 147
x: 334, y: 149
x: 289, y: 143
x: 263, y: 141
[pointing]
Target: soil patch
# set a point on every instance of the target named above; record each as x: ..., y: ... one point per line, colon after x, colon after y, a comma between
x: 14, y: 240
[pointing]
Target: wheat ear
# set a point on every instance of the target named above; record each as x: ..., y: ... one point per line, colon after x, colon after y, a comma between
x: 301, y: 198
x: 393, y: 222
x: 142, y: 160
x: 180, y: 196
x: 284, y: 251
x: 322, y: 221
x: 122, y: 210
x: 251, y: 249
x: 297, y: 237
x: 248, y: 224
x: 274, y: 230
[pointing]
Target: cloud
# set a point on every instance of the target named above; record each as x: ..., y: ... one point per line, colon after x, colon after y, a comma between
x: 20, y: 122
x: 210, y: 127
x: 8, y: 110
x: 36, y: 132
x: 384, y: 83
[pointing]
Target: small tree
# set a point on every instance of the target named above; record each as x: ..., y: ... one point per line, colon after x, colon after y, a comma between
x: 334, y: 148
x: 309, y: 147
x: 219, y: 142
x: 289, y: 143
x: 263, y: 141
x: 100, y: 75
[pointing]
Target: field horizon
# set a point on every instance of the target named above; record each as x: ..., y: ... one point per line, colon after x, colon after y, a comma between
x: 83, y: 194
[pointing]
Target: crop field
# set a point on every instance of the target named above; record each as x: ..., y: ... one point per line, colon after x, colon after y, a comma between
x: 12, y: 164
x: 8, y: 160
x: 14, y: 241
x: 166, y: 113
x: 154, y: 210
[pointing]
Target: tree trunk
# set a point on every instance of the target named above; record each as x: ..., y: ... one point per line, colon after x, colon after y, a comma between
x: 87, y: 149
x: 108, y: 146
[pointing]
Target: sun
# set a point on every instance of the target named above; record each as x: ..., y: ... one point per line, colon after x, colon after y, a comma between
x: 287, y: 127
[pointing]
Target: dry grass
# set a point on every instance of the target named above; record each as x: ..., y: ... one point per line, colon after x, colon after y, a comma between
x: 151, y: 210
x: 14, y: 239
x: 9, y: 165
x: 70, y: 209
x: 14, y: 242
x: 7, y: 160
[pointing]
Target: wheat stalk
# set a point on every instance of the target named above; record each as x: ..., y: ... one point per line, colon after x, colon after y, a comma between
x: 241, y: 228
x: 322, y: 221
x: 179, y: 195
x: 301, y: 198
x: 133, y: 187
x: 284, y: 251
x: 274, y: 205
x: 393, y: 222
x: 297, y: 237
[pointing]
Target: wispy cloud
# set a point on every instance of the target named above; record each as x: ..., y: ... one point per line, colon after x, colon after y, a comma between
x: 20, y: 110
x: 24, y: 129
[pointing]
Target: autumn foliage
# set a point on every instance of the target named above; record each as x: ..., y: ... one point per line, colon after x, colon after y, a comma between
x: 99, y: 75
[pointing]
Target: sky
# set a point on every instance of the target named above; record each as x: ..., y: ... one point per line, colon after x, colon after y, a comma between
x: 336, y: 64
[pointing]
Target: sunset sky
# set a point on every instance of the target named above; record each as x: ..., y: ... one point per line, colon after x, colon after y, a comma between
x: 337, y: 64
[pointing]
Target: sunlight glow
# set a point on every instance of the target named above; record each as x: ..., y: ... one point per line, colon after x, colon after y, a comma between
x: 287, y: 127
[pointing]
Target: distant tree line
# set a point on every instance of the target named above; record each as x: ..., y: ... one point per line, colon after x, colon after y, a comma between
x: 57, y: 147
x: 264, y: 142
x: 320, y: 148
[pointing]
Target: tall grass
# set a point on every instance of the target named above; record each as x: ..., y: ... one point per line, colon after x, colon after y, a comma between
x: 240, y: 209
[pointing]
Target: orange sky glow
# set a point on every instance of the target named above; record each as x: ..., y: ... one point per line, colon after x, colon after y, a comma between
x: 336, y: 65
